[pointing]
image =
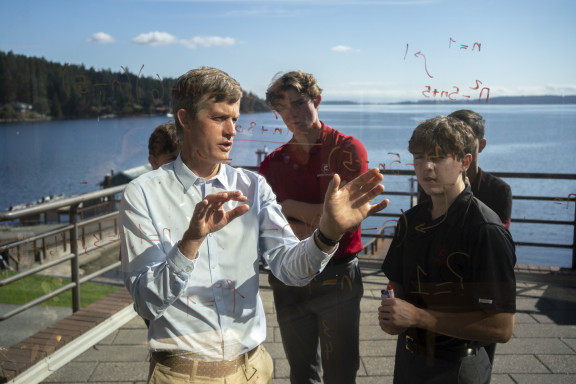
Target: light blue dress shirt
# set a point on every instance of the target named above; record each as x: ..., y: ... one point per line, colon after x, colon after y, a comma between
x: 209, y: 306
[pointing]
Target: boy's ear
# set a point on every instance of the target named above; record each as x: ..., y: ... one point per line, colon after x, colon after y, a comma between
x: 466, y: 161
x: 317, y: 101
x: 482, y: 145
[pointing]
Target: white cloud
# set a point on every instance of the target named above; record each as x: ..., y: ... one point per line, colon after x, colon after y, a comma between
x: 343, y: 48
x: 164, y: 38
x: 154, y: 38
x: 208, y: 41
x: 101, y: 38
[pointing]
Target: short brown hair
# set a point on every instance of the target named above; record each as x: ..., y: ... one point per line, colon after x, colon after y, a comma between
x: 302, y: 82
x: 473, y: 119
x: 196, y: 87
x: 164, y: 140
x: 444, y: 135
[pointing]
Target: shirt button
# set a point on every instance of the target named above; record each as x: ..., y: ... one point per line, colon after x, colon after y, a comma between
x: 218, y: 298
x: 188, y: 269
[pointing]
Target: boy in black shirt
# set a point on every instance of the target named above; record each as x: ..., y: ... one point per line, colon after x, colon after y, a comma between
x: 451, y: 265
x: 489, y: 189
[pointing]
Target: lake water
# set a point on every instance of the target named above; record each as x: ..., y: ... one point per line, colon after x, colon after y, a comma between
x: 72, y: 157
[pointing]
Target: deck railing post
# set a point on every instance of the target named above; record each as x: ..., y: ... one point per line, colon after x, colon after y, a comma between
x: 75, y: 262
x: 573, y: 235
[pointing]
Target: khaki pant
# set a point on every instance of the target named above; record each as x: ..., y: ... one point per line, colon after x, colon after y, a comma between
x: 258, y: 370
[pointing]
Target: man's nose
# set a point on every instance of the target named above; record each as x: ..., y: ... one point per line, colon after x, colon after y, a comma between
x: 230, y: 128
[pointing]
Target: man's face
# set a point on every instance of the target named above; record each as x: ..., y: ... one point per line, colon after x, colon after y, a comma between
x: 208, y: 138
x: 438, y: 173
x: 299, y: 113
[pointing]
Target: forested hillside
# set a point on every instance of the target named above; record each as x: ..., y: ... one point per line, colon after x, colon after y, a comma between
x: 65, y: 91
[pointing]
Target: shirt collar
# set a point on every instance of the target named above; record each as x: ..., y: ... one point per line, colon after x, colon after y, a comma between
x: 188, y: 178
x: 450, y: 218
x: 459, y: 205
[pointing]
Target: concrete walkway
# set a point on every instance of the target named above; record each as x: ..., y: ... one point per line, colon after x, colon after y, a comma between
x: 543, y: 349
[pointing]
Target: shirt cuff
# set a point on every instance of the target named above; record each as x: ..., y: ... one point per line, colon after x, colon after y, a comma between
x: 318, y: 255
x: 179, y: 263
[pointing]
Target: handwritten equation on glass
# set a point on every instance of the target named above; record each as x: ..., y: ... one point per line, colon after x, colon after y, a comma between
x: 457, y: 92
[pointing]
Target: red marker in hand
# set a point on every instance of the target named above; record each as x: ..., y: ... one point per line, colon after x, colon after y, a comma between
x: 388, y: 292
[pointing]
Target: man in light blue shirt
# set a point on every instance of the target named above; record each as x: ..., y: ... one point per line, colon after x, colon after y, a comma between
x: 192, y: 234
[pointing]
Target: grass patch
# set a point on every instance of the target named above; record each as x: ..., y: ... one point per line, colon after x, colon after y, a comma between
x: 31, y: 287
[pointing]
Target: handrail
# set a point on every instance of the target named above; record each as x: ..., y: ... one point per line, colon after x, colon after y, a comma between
x: 518, y: 175
x: 74, y: 226
x: 61, y: 203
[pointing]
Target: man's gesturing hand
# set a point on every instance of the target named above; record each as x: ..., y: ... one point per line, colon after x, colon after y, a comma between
x: 209, y: 216
x: 346, y: 207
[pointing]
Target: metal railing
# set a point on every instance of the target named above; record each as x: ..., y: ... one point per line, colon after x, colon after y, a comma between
x: 412, y: 194
x: 75, y: 209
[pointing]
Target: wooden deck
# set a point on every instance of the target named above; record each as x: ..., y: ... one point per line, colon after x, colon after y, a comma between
x: 32, y: 350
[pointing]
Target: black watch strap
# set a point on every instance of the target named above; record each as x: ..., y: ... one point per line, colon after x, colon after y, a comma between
x: 326, y: 240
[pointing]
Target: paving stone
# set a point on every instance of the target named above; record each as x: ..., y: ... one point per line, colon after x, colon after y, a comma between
x: 533, y: 304
x: 110, y: 338
x: 502, y: 379
x: 136, y: 322
x: 374, y: 332
x: 133, y: 336
x: 131, y: 353
x: 525, y: 318
x: 542, y: 378
x: 518, y: 364
x: 75, y: 371
x: 544, y: 330
x: 556, y: 316
x: 375, y: 380
x: 281, y: 369
x: 559, y: 363
x: 276, y: 350
x: 380, y: 348
x: 571, y: 342
x: 379, y: 366
x: 532, y: 346
x: 116, y: 371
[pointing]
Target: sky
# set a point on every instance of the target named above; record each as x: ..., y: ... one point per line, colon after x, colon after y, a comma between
x: 359, y: 50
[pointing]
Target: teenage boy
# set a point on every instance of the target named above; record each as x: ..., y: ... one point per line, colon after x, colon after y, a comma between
x: 319, y: 322
x: 192, y: 232
x: 489, y: 189
x: 451, y: 264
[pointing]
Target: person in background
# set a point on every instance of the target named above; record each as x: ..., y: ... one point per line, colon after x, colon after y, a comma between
x: 489, y: 189
x: 163, y: 145
x: 451, y: 265
x: 193, y: 230
x: 5, y: 260
x: 319, y: 322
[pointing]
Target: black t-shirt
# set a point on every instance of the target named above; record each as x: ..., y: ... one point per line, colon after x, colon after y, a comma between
x: 495, y: 193
x: 463, y: 261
